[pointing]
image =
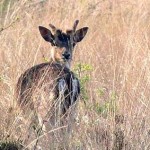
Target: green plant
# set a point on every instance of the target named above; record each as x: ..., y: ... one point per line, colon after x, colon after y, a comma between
x: 108, y: 107
x: 82, y: 71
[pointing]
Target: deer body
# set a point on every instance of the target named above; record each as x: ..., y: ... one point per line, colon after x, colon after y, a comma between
x: 51, y: 79
x: 51, y: 89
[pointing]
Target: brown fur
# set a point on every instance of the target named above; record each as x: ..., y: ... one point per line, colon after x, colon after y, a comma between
x: 43, y: 75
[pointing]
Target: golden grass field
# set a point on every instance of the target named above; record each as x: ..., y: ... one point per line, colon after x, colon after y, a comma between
x: 114, y: 59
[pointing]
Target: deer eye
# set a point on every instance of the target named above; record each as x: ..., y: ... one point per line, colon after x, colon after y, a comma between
x: 60, y: 38
x: 63, y: 38
x: 74, y: 44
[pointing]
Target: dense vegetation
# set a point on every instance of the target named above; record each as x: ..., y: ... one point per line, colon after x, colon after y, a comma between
x: 112, y: 64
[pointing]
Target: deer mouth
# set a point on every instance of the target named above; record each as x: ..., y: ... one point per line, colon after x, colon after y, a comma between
x: 66, y: 58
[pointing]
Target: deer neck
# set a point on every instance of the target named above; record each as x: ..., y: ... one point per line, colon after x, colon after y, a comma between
x: 67, y: 64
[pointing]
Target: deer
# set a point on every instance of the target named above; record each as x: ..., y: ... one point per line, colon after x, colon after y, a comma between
x: 50, y: 89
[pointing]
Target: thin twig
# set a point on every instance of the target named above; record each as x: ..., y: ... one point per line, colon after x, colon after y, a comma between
x: 45, y: 135
x: 8, y: 26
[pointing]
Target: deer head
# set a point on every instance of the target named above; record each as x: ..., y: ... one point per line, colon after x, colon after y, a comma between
x: 63, y: 43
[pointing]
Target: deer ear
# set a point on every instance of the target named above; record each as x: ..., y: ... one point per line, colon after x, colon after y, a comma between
x: 80, y: 34
x: 46, y: 34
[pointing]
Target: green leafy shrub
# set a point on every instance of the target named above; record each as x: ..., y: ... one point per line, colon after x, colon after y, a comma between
x: 82, y: 71
x: 109, y: 107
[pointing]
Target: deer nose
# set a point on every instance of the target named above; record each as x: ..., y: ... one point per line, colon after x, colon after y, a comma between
x: 66, y: 55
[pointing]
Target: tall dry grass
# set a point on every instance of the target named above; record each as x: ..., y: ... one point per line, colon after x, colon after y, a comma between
x: 115, y: 113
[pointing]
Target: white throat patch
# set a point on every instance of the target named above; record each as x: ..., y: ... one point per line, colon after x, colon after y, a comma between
x: 52, y: 54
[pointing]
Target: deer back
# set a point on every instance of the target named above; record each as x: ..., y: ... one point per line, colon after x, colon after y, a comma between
x: 43, y: 79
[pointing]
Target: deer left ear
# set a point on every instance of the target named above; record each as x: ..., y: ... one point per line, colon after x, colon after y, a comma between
x: 80, y: 34
x: 46, y: 34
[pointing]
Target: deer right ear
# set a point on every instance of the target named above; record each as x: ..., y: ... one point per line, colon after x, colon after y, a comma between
x: 80, y: 34
x: 47, y: 35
